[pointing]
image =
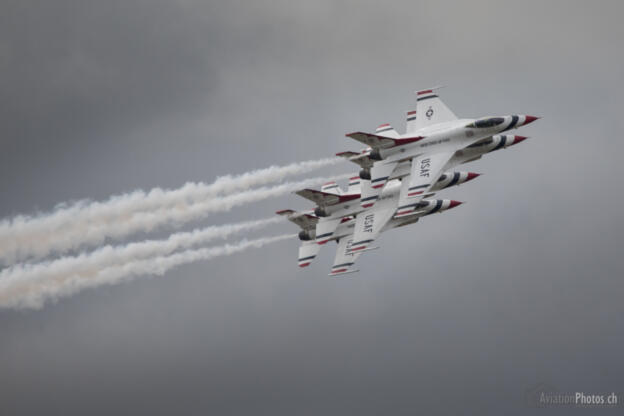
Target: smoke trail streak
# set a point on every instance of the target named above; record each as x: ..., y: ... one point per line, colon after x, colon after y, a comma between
x: 22, y: 239
x: 30, y: 286
x: 118, y: 207
x: 111, y: 255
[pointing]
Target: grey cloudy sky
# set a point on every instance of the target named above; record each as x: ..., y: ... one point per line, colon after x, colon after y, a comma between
x: 465, y: 311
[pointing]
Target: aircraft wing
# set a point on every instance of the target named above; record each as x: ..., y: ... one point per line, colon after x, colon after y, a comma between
x: 368, y: 226
x: 344, y: 260
x: 425, y: 172
x: 429, y: 110
x: 321, y: 198
x: 381, y: 142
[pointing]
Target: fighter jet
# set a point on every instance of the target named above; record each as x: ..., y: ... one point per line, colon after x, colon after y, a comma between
x: 333, y: 205
x: 309, y: 249
x: 435, y: 141
x: 399, y: 176
x: 378, y: 219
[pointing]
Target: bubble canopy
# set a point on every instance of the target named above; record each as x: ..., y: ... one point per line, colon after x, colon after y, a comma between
x: 487, y: 122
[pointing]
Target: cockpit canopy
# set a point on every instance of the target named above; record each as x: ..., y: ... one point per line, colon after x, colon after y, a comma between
x: 487, y: 122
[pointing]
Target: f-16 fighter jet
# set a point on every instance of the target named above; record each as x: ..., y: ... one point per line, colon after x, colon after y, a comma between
x: 332, y: 205
x: 435, y: 141
x: 376, y: 220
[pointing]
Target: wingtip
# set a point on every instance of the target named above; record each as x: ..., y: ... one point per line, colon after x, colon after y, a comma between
x: 429, y: 90
x: 343, y: 272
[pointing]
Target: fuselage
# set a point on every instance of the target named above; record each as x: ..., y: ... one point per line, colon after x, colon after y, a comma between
x: 389, y: 200
x: 451, y: 135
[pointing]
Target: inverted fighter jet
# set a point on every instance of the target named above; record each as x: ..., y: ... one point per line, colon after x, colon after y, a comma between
x: 375, y: 220
x: 333, y: 205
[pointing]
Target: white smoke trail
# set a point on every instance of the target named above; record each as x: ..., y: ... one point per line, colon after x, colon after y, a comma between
x: 111, y: 255
x: 230, y: 184
x: 58, y: 232
x: 30, y: 286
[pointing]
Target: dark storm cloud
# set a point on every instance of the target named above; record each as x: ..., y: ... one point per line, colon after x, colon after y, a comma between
x: 464, y: 311
x: 72, y: 65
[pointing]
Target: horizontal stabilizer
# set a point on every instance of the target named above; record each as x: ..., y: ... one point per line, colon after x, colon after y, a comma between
x: 381, y: 142
x: 321, y: 198
x: 361, y: 159
x: 305, y: 220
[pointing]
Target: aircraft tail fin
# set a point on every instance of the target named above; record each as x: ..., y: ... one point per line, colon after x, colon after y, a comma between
x: 354, y: 186
x: 308, y: 252
x: 430, y: 109
x: 331, y: 188
x: 386, y: 130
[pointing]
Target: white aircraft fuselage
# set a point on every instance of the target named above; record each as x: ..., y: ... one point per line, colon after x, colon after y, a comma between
x: 449, y: 135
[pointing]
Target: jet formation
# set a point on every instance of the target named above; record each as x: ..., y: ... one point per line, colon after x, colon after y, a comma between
x: 399, y: 176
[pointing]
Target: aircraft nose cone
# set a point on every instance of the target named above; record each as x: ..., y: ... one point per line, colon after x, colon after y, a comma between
x: 472, y: 175
x: 529, y: 119
x: 518, y: 139
x: 454, y: 203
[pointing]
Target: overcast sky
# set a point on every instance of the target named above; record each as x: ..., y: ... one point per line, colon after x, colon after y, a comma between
x: 464, y: 311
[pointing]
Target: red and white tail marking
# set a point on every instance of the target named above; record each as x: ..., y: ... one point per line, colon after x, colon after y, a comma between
x: 354, y: 186
x: 307, y: 253
x: 386, y: 130
x: 331, y: 188
x: 429, y: 110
